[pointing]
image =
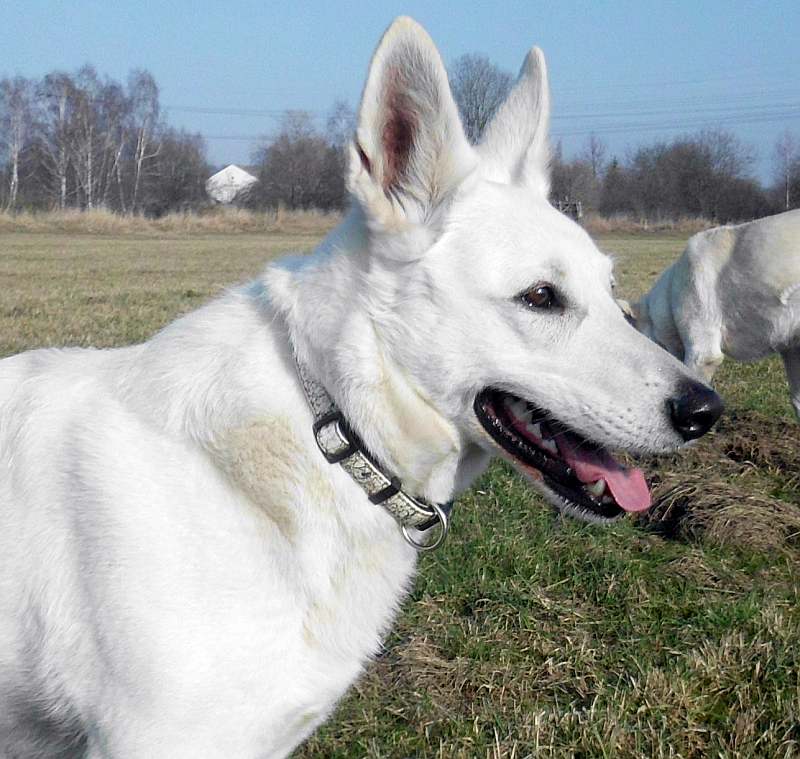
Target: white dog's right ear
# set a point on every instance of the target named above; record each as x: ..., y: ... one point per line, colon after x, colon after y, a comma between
x: 515, y: 147
x: 410, y: 150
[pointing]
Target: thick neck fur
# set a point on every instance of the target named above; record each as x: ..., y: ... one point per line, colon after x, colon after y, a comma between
x: 338, y: 304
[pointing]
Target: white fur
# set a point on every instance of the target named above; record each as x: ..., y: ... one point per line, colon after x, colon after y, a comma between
x: 181, y: 572
x: 735, y: 291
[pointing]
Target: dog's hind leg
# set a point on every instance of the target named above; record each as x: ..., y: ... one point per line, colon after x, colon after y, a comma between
x: 791, y: 362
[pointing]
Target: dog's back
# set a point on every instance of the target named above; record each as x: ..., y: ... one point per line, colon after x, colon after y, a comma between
x: 752, y: 272
x: 767, y: 253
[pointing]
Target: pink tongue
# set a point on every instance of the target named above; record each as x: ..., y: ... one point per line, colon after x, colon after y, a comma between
x: 628, y: 486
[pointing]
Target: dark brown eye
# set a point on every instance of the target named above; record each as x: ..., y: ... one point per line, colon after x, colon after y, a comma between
x: 540, y: 297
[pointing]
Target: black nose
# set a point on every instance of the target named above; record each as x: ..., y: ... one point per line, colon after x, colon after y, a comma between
x: 694, y: 409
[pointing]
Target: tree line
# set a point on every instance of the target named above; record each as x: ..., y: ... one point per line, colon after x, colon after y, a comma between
x: 708, y: 174
x: 303, y: 166
x: 85, y: 141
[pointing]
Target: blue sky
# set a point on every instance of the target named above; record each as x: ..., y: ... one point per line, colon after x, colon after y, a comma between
x: 629, y: 71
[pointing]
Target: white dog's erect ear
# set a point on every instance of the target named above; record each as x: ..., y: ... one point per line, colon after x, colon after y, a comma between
x: 515, y: 147
x: 410, y: 149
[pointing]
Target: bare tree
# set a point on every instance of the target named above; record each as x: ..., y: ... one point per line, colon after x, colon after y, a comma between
x: 293, y: 164
x: 143, y: 91
x: 177, y: 179
x: 479, y: 87
x: 56, y: 98
x: 83, y: 133
x: 340, y: 130
x: 727, y: 154
x: 706, y: 174
x: 786, y: 158
x: 114, y: 110
x: 16, y: 119
x: 594, y: 153
x: 341, y: 124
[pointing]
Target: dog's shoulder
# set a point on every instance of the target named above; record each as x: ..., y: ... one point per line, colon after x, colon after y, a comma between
x: 711, y: 248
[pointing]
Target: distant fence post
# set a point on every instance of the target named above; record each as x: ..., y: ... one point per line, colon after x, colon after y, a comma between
x: 572, y: 208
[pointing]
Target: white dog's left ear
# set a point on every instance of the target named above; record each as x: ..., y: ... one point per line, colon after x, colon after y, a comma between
x: 515, y: 146
x: 410, y: 150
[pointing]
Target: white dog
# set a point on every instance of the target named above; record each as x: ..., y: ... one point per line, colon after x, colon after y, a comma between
x: 182, y: 572
x: 735, y: 291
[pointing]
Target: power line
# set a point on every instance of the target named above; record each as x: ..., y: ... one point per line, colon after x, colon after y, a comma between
x: 269, y: 112
x: 792, y: 113
x: 741, y: 99
x: 621, y: 108
x: 739, y: 77
x: 785, y: 112
x: 672, y: 111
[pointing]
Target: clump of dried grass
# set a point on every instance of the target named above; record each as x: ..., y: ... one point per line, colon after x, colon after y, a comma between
x: 755, y: 440
x: 215, y: 220
x: 718, y: 492
x: 701, y: 505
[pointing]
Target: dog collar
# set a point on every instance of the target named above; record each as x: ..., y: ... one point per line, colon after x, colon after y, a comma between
x: 341, y: 445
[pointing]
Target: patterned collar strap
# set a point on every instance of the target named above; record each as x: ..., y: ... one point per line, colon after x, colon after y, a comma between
x: 341, y: 445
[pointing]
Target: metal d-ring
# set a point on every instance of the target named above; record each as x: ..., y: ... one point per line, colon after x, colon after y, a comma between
x: 444, y: 526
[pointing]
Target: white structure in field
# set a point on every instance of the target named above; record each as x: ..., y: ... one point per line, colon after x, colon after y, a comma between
x: 226, y: 185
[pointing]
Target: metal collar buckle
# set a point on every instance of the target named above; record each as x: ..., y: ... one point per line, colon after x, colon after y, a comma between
x: 440, y: 517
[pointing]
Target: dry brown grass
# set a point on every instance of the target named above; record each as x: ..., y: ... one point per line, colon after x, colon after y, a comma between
x: 702, y: 505
x: 219, y: 219
x: 627, y: 224
x: 216, y: 220
x: 735, y: 489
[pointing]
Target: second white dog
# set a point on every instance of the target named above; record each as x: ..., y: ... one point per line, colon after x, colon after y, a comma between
x: 734, y: 292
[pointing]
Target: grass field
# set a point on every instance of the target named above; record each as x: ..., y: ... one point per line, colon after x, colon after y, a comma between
x: 528, y: 635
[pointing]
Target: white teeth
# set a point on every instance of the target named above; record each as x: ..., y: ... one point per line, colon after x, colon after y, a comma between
x: 535, y: 430
x: 597, y: 488
x: 549, y: 445
x: 607, y: 499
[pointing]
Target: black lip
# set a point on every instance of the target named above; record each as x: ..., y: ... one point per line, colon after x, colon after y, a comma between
x: 558, y: 476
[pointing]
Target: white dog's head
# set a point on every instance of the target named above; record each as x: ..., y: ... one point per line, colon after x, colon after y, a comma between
x: 478, y: 318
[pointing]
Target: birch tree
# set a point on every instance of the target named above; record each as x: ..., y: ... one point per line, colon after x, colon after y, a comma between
x: 786, y: 157
x: 56, y: 99
x: 83, y: 134
x: 16, y: 119
x: 143, y: 93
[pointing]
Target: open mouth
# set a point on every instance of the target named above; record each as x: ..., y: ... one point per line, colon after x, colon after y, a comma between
x: 581, y: 477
